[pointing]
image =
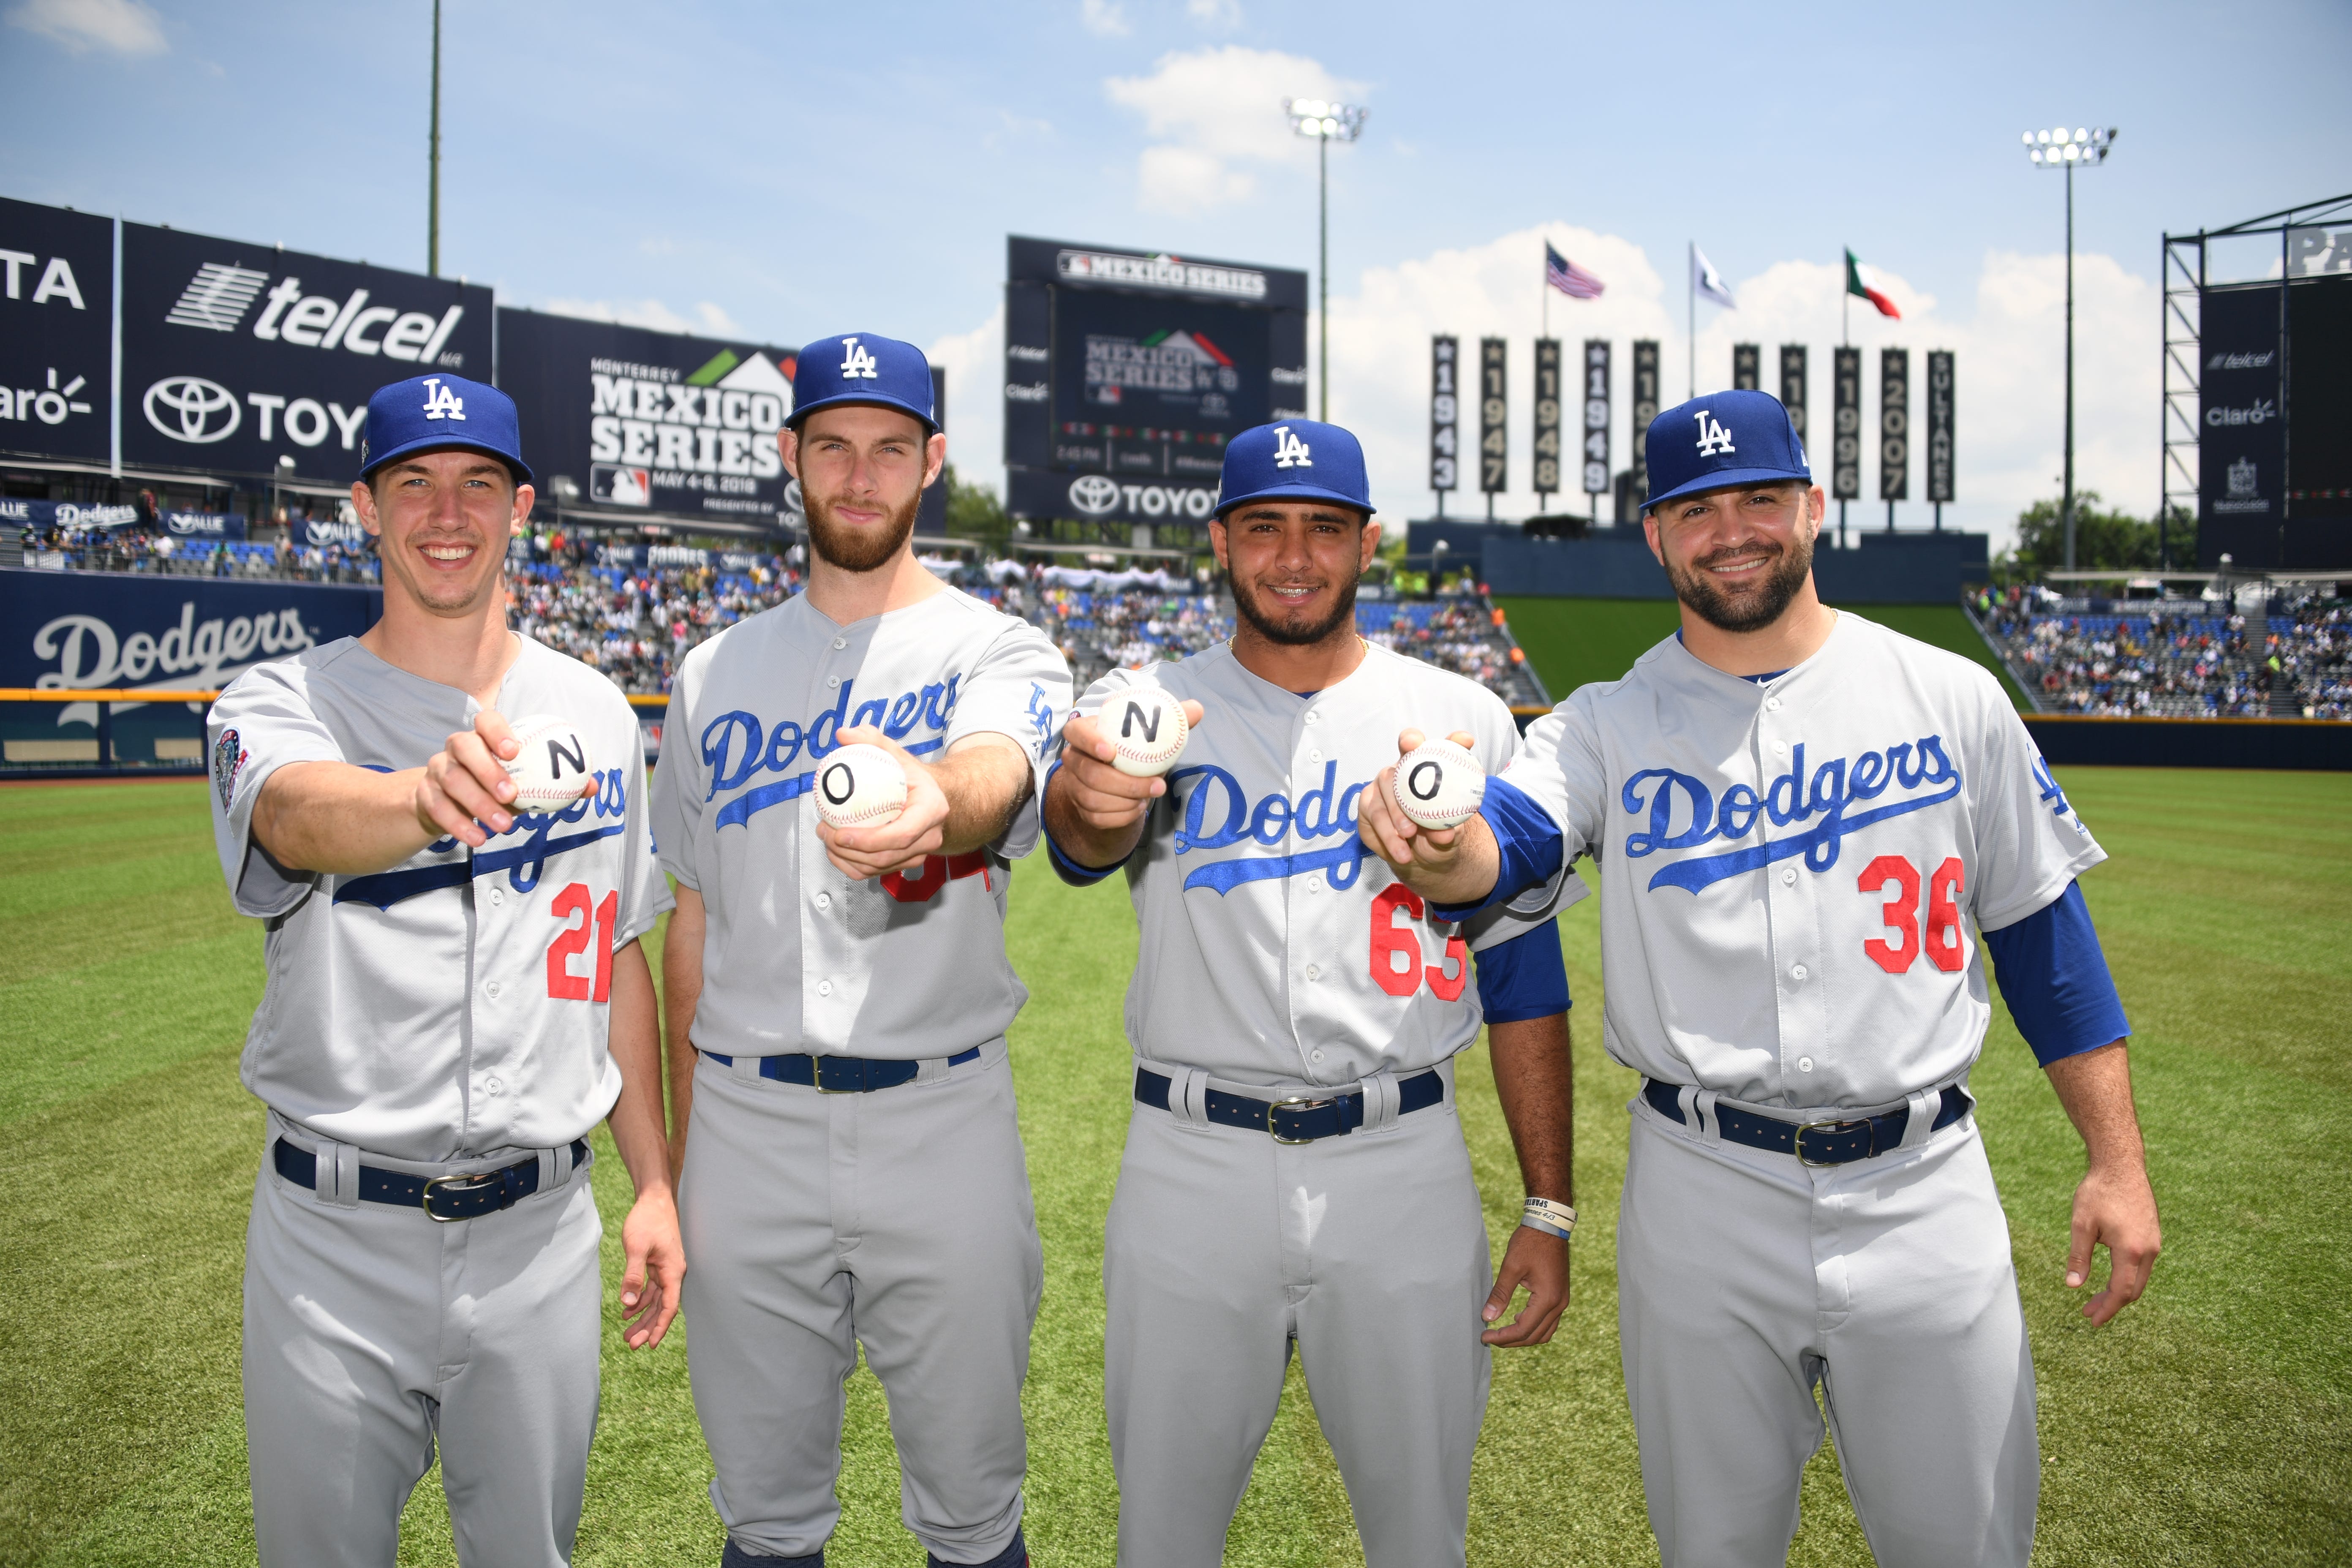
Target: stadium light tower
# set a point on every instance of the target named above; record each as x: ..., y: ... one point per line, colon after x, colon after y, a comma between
x: 2065, y: 149
x: 1326, y: 123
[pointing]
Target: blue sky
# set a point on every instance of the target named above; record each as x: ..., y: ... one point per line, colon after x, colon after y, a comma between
x: 785, y: 171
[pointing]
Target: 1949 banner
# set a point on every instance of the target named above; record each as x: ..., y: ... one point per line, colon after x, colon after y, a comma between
x: 1596, y: 416
x: 1792, y: 385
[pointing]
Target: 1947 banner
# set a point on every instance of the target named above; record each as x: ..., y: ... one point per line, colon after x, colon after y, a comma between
x: 1493, y: 417
x: 1445, y: 414
x: 1846, y: 426
x: 1547, y: 481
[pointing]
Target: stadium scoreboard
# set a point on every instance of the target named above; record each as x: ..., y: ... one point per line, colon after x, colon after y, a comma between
x: 1126, y: 373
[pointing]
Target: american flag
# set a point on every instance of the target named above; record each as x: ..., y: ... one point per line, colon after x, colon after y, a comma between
x: 1568, y: 278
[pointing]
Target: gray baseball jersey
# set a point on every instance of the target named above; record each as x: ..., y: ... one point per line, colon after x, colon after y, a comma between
x: 1277, y: 950
x: 1278, y: 958
x: 1796, y: 872
x: 443, y: 1018
x: 900, y: 1219
x: 1788, y: 863
x: 456, y: 1005
x: 798, y: 957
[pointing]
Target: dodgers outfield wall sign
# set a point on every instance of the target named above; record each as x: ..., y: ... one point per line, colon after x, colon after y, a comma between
x: 648, y: 422
x: 1127, y: 372
x: 57, y: 332
x: 237, y: 354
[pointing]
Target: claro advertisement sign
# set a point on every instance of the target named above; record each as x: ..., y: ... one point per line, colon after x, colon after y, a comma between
x: 234, y: 354
x: 57, y: 327
x: 649, y: 422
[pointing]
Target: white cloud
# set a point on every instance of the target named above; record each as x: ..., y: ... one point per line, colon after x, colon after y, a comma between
x: 2010, y: 363
x: 656, y: 314
x: 1104, y: 19
x: 1211, y: 112
x: 1225, y: 14
x: 975, y: 363
x: 125, y: 27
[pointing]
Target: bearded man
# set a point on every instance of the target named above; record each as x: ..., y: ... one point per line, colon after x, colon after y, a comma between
x: 837, y: 999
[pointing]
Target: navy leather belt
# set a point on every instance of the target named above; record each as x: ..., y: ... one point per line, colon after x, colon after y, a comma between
x: 1813, y: 1142
x: 444, y: 1198
x: 1294, y: 1118
x: 842, y: 1075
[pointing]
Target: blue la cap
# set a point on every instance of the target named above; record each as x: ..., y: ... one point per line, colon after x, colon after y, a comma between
x: 1298, y: 460
x: 1723, y: 438
x: 431, y: 413
x: 858, y: 368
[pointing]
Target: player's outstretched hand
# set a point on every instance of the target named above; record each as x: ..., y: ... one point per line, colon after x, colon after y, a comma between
x: 901, y: 843
x: 1418, y: 854
x: 2114, y: 1208
x: 654, y: 1271
x: 465, y: 787
x: 1107, y: 800
x: 1538, y: 1261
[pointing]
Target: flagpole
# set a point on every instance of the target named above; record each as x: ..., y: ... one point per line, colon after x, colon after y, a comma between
x: 1845, y: 341
x: 1690, y: 316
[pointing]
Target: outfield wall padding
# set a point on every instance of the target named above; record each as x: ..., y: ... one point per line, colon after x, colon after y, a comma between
x: 1883, y: 568
x: 2305, y: 744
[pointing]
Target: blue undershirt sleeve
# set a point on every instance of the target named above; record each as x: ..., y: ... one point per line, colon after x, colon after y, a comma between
x: 1069, y: 871
x: 2054, y: 978
x: 1523, y: 978
x: 1528, y: 841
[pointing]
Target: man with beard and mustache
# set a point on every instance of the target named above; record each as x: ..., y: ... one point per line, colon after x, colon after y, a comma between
x: 1807, y: 1203
x: 1294, y: 1173
x: 836, y: 1001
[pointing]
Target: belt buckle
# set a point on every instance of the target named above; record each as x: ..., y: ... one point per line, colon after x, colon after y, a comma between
x: 816, y: 1076
x: 1291, y: 1103
x: 1798, y: 1147
x: 479, y: 1179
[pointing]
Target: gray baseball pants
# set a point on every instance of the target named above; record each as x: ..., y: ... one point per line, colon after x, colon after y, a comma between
x: 1745, y: 1279
x: 1223, y: 1248
x: 901, y: 1220
x: 370, y: 1332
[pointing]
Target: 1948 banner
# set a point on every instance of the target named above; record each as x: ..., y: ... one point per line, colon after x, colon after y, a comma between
x: 1547, y: 481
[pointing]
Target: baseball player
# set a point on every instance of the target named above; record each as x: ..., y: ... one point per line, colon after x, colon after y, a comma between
x: 1294, y: 1173
x: 455, y: 997
x: 1815, y: 830
x: 837, y: 1002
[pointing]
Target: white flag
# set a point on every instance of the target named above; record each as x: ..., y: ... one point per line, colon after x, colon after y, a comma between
x: 1707, y: 282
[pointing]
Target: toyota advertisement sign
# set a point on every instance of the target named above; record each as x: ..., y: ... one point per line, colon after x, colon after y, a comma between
x: 56, y: 332
x: 234, y: 354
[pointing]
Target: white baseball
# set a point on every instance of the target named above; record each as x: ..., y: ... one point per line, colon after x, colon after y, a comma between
x: 554, y: 768
x: 1147, y: 730
x: 860, y: 785
x: 1439, y: 785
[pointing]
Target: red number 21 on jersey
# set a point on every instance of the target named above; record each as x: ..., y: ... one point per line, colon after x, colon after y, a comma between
x: 573, y: 903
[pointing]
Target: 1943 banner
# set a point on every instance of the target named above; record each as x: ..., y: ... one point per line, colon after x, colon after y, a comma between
x: 1445, y: 414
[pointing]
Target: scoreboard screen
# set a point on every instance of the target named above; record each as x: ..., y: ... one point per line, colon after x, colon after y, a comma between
x: 1155, y: 385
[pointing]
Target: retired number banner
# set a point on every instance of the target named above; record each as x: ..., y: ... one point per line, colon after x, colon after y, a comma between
x: 1939, y: 425
x: 1895, y: 425
x: 1493, y: 417
x: 1445, y: 414
x: 1547, y: 416
x: 1645, y: 408
x: 1845, y: 473
x: 1746, y: 367
x: 1792, y: 385
x: 1596, y: 416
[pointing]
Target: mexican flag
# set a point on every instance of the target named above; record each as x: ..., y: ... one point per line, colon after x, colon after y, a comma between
x: 1861, y: 281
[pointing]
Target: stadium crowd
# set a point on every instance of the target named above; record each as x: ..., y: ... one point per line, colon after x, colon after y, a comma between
x: 634, y: 610
x: 2175, y: 658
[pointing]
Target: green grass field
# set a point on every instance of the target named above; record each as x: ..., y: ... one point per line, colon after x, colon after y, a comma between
x: 2211, y: 1425
x: 1573, y: 641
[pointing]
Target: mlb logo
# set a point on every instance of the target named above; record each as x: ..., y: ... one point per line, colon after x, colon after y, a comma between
x: 620, y: 485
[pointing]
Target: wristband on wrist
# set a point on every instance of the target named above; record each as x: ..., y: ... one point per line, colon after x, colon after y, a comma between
x: 1554, y: 1220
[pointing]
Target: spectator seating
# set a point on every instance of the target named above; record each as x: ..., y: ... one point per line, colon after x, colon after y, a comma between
x: 2174, y: 658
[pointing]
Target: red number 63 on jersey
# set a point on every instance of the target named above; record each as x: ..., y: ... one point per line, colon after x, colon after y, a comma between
x: 1397, y: 954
